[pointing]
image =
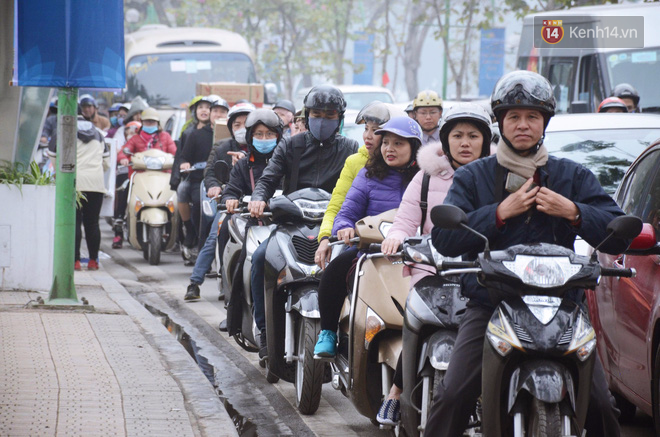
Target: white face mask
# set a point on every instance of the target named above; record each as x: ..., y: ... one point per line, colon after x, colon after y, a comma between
x: 239, y: 136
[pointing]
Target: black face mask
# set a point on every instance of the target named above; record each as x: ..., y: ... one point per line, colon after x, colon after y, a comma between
x: 323, y: 129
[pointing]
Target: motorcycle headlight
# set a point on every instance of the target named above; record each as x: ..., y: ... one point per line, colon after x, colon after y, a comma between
x: 416, y: 256
x: 543, y: 271
x: 154, y: 162
x: 501, y: 336
x: 313, y: 210
x: 373, y: 326
x: 584, y: 339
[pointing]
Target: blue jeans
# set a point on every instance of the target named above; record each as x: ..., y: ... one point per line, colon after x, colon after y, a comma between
x: 257, y: 284
x: 206, y: 255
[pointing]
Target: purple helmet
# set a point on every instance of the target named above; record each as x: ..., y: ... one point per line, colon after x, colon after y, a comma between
x: 404, y: 127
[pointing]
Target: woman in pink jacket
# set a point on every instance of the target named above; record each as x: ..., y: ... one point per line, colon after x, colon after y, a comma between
x: 465, y: 135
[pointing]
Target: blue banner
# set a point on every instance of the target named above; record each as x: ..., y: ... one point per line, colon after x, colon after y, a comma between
x: 363, y: 56
x: 491, y: 59
x: 69, y: 43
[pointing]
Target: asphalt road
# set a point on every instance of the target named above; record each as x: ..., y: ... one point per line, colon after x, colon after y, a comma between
x: 258, y: 405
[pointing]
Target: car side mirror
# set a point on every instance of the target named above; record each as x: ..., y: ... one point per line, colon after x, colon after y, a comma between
x: 448, y: 217
x: 221, y: 170
x: 646, y: 243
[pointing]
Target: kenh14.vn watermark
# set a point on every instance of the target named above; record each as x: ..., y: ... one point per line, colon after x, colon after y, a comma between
x: 589, y: 31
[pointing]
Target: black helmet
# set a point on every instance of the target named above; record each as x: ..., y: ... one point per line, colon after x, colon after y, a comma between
x: 285, y: 104
x: 325, y: 97
x: 626, y: 91
x: 470, y: 113
x: 523, y: 89
x: 376, y: 112
x: 266, y: 117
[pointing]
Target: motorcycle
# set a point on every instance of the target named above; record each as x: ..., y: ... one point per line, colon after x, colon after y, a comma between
x: 198, y: 213
x: 242, y: 327
x: 151, y: 218
x: 434, y: 310
x: 539, y: 346
x: 371, y: 320
x: 291, y: 295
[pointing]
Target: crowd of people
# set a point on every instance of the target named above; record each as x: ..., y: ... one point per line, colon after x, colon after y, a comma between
x: 412, y: 162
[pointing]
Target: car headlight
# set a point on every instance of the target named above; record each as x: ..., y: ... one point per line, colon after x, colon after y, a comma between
x: 501, y: 335
x: 312, y: 209
x: 543, y: 271
x: 584, y: 339
x: 154, y: 162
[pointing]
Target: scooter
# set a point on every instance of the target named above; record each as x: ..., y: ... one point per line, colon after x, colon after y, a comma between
x: 371, y: 320
x: 241, y: 326
x: 434, y: 310
x: 291, y: 295
x: 539, y: 346
x: 197, y: 214
x: 151, y: 218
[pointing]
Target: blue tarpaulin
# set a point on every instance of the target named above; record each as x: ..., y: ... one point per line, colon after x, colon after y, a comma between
x: 69, y: 43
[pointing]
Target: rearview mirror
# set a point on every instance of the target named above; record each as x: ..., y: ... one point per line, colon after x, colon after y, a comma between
x: 625, y: 226
x: 645, y: 243
x: 221, y: 170
x: 448, y: 217
x: 270, y: 93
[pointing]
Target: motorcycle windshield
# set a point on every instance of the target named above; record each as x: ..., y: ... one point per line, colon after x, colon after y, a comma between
x: 443, y: 298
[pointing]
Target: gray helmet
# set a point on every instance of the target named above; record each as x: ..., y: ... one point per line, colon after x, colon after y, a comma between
x: 266, y: 117
x: 523, y: 89
x: 220, y: 102
x: 469, y: 113
x: 376, y: 112
x: 285, y: 104
x: 326, y: 97
x: 88, y: 100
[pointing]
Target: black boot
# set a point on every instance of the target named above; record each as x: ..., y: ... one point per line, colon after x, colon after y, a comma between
x: 193, y: 292
x: 263, y: 346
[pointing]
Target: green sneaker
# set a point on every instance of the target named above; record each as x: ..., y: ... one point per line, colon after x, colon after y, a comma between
x: 326, y: 346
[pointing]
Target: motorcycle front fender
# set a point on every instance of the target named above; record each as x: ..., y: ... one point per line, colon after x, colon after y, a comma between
x: 547, y: 381
x: 154, y: 216
x: 305, y: 301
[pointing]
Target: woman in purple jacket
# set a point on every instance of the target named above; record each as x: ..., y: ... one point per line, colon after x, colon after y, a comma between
x: 377, y: 188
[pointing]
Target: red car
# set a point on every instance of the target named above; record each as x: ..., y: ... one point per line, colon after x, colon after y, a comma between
x: 625, y: 312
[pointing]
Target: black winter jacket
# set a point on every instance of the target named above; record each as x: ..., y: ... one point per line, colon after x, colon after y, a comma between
x: 240, y: 182
x: 219, y: 152
x: 473, y: 190
x: 197, y: 149
x: 175, y: 178
x: 319, y: 166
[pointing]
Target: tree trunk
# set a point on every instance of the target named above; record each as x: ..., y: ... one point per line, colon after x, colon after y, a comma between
x: 413, y: 51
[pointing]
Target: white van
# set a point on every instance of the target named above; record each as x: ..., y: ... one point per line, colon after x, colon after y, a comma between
x: 163, y: 64
x: 582, y: 78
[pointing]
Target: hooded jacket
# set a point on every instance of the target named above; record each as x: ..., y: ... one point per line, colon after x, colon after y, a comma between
x: 473, y: 190
x: 409, y: 216
x: 219, y: 153
x: 92, y: 157
x: 240, y: 181
x: 369, y: 197
x: 197, y: 149
x: 319, y: 165
x: 353, y: 165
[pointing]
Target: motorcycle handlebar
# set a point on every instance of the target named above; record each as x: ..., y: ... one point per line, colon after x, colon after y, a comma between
x: 458, y: 265
x: 622, y: 273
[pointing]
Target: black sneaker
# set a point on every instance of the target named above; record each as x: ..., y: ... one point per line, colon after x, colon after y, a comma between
x: 263, y: 346
x: 192, y: 293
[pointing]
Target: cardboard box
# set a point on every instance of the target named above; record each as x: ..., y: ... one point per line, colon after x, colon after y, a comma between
x: 232, y: 92
x: 220, y: 130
